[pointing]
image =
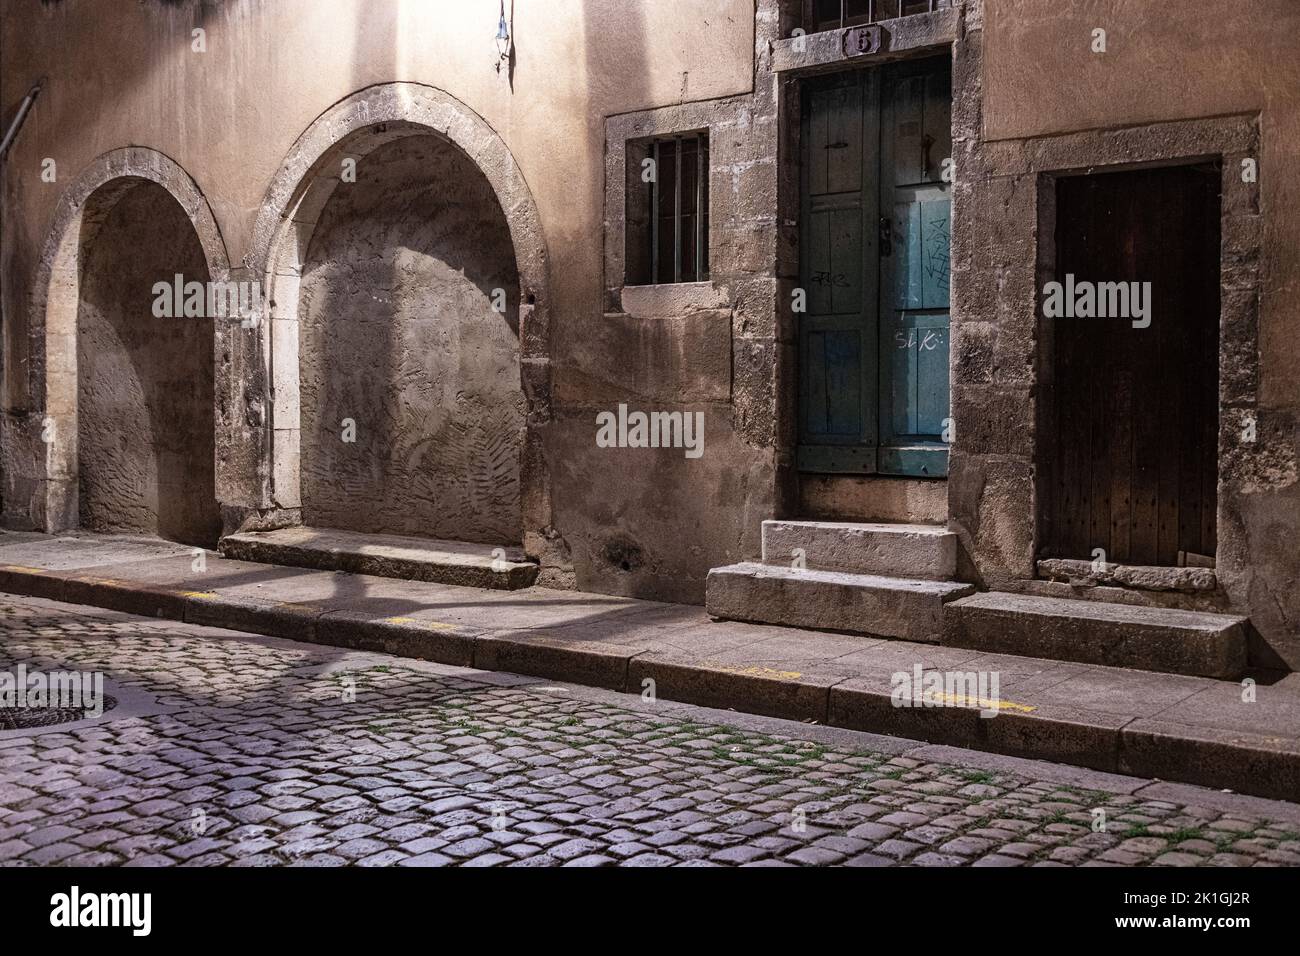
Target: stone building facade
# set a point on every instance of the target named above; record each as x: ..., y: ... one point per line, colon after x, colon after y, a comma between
x: 460, y: 254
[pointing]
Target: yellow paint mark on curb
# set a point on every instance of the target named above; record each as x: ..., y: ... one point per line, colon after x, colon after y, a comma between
x: 961, y: 700
x: 755, y: 670
x: 23, y: 570
x: 204, y: 595
x: 421, y: 622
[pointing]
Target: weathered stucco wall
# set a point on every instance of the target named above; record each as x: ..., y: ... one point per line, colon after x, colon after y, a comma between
x: 230, y: 118
x: 399, y: 334
x: 589, y: 73
x: 145, y: 425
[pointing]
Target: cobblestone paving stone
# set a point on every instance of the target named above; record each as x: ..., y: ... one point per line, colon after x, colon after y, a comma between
x: 267, y: 760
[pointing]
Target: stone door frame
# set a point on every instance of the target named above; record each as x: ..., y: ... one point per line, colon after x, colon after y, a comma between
x: 1006, y: 195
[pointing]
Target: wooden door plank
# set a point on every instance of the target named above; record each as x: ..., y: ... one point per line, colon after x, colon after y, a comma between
x: 1099, y: 336
x: 1064, y: 541
x: 846, y: 261
x: 931, y: 374
x: 871, y: 294
x: 936, y: 124
x: 816, y: 155
x: 935, y: 216
x: 1163, y: 263
x: 844, y: 148
x: 906, y: 261
x: 843, y: 361
x: 902, y: 376
x: 907, y: 129
x: 1208, y: 271
x: 815, y: 404
x: 1121, y: 475
x: 817, y: 252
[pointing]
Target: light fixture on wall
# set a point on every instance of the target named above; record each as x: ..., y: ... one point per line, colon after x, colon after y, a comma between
x: 502, y: 38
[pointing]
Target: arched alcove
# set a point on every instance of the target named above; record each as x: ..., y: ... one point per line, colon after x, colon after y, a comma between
x: 412, y: 414
x: 342, y: 139
x: 145, y: 427
x: 133, y: 217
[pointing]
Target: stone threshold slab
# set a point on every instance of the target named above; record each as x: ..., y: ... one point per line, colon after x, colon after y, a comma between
x: 501, y: 567
x: 1198, y: 643
x: 675, y: 653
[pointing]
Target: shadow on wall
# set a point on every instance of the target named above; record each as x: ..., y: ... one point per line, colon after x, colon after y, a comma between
x: 144, y: 383
x: 412, y: 411
x: 627, y: 535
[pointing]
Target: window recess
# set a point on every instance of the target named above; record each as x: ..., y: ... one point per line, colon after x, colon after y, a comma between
x: 668, y: 210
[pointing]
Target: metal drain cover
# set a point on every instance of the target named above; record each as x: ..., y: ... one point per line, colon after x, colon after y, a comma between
x: 23, y: 718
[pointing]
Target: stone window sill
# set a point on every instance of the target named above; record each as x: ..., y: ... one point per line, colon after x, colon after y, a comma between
x: 671, y: 299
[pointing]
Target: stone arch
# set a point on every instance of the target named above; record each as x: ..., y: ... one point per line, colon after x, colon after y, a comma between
x: 49, y: 441
x: 353, y: 129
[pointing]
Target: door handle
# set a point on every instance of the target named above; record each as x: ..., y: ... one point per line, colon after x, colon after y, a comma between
x: 886, y: 236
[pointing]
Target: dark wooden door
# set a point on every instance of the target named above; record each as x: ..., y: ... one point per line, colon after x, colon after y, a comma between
x: 1130, y: 456
x: 873, y: 340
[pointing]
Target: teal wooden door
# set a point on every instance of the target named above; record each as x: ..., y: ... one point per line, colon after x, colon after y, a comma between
x: 838, y: 249
x: 916, y: 138
x: 874, y: 264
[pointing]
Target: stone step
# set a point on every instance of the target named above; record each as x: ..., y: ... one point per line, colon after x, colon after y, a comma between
x: 499, y: 567
x: 867, y: 604
x: 900, y: 550
x: 1091, y: 632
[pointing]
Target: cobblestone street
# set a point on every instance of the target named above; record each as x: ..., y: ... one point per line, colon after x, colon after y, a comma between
x: 228, y: 749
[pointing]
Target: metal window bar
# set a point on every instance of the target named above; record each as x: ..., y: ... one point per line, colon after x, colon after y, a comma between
x: 654, y: 214
x: 657, y: 268
x: 677, y: 213
x: 701, y: 170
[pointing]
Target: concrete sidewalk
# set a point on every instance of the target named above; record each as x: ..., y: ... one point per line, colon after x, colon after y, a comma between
x: 1188, y: 729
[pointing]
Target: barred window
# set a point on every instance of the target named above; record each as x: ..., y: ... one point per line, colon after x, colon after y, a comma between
x: 834, y: 14
x: 668, y: 210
